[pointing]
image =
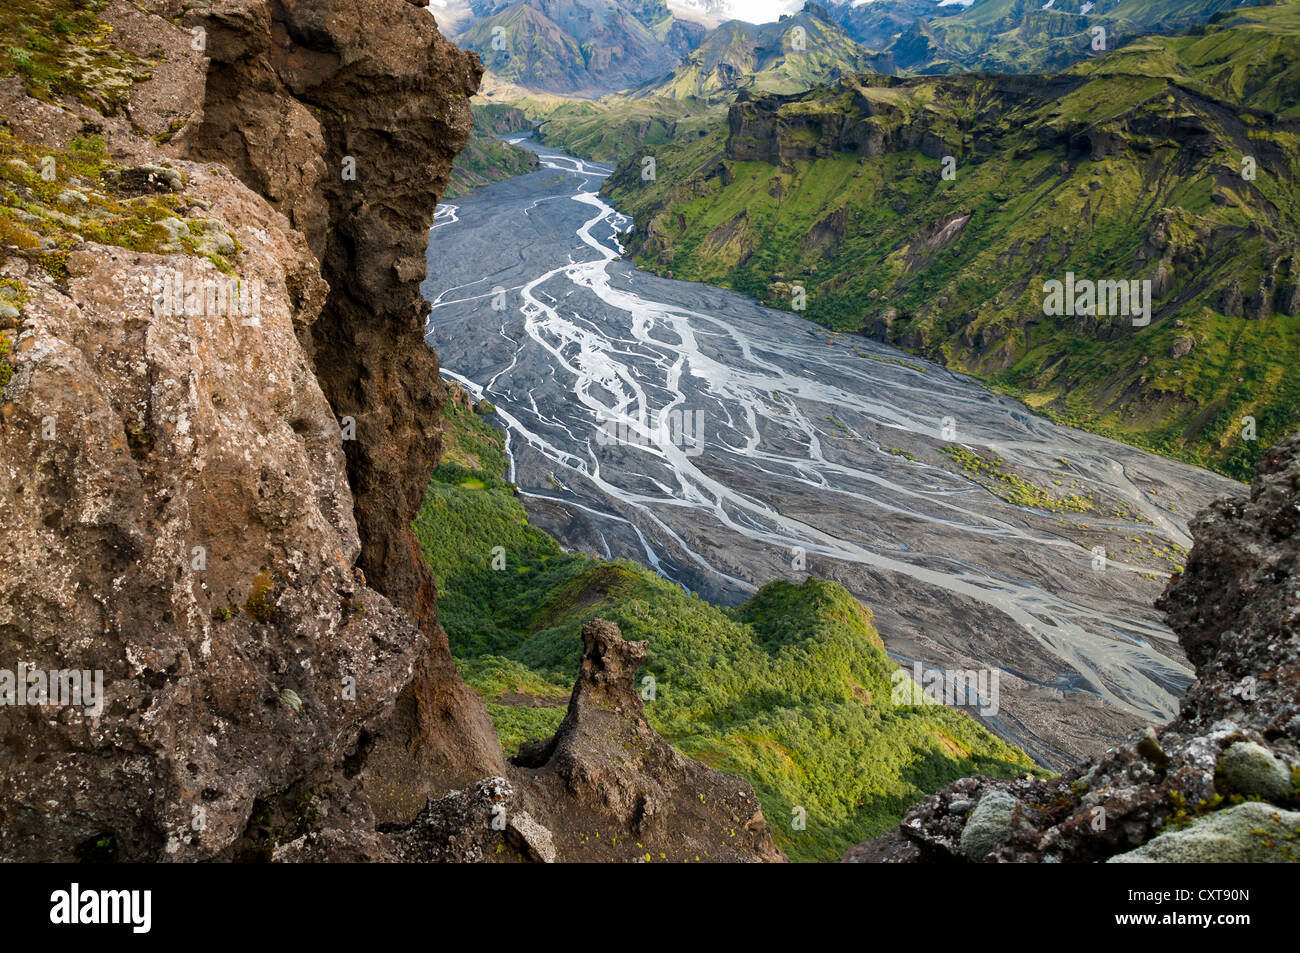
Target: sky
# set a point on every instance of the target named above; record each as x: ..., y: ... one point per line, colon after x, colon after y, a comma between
x: 751, y: 11
x: 762, y: 11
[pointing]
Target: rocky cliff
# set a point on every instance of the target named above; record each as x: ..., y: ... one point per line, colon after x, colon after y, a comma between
x: 1222, y: 780
x: 218, y: 420
x: 346, y: 116
x: 872, y: 117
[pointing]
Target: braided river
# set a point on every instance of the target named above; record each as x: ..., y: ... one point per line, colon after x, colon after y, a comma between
x: 725, y: 444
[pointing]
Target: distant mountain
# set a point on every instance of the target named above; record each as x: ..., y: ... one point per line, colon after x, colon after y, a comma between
x: 577, y: 47
x: 1172, y: 161
x: 590, y: 48
x: 716, y: 12
x: 788, y: 56
x: 825, y: 40
x: 1036, y: 35
x: 877, y: 24
x: 792, y: 54
x: 1010, y: 36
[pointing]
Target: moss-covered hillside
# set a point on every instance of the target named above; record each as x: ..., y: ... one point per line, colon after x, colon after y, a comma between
x: 1173, y: 160
x: 792, y: 690
x: 487, y: 159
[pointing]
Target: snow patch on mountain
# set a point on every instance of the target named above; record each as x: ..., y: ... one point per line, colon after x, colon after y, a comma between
x: 713, y: 12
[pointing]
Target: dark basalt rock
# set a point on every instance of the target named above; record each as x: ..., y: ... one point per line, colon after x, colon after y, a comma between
x: 1236, y: 736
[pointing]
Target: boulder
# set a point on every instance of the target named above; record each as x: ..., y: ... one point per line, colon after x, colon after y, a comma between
x: 1250, y: 833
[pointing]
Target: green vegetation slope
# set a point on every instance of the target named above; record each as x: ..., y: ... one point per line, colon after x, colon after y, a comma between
x: 1172, y: 160
x: 791, y: 690
x: 486, y: 158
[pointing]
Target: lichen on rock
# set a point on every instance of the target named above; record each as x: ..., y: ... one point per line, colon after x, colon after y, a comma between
x: 1245, y: 834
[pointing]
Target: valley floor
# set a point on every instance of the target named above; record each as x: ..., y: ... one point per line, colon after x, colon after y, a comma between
x: 982, y: 536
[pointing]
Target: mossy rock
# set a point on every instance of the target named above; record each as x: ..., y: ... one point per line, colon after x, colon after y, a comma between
x: 989, y: 824
x: 1249, y: 768
x: 1248, y: 833
x: 261, y: 604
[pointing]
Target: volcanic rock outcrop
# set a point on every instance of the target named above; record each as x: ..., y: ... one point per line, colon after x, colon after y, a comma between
x: 642, y: 799
x: 347, y: 116
x: 605, y: 787
x: 1222, y: 780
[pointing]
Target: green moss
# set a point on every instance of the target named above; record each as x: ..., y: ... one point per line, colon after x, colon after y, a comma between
x: 100, y: 849
x: 308, y: 811
x: 6, y: 369
x: 163, y: 138
x: 61, y: 49
x: 261, y: 602
x: 88, y: 146
x: 52, y: 200
x: 13, y: 294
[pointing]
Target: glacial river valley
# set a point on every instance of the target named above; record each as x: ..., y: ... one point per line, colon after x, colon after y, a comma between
x: 726, y: 444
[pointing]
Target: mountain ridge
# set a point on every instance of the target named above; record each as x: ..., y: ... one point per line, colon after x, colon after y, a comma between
x: 587, y: 47
x: 739, y: 207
